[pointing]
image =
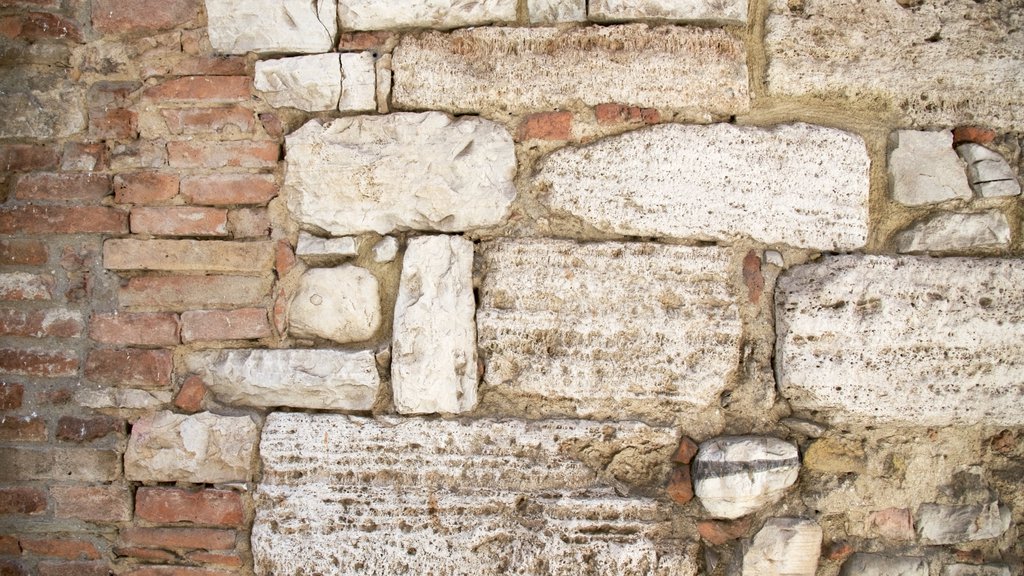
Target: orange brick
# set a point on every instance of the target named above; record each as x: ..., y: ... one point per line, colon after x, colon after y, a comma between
x: 718, y: 532
x: 39, y: 363
x: 14, y: 252
x: 178, y: 538
x: 124, y: 16
x: 138, y: 329
x: 9, y: 546
x: 179, y: 221
x: 545, y: 126
x: 130, y: 367
x: 207, y: 325
x: 145, y: 188
x: 191, y: 395
x: 680, y: 488
x: 209, y: 120
x: 183, y: 154
x: 93, y: 503
x: 175, y: 571
x: 148, y: 554
x: 22, y: 501
x: 686, y: 451
x: 84, y: 156
x: 202, y: 88
x: 192, y: 292
x: 35, y: 26
x: 226, y: 189
x: 113, y: 124
x: 22, y: 429
x: 203, y: 507
x: 62, y: 187
x: 52, y: 323
x: 196, y: 66
x: 249, y: 223
x: 974, y: 134
x: 188, y: 255
x: 615, y: 113
x: 60, y: 548
x: 284, y: 258
x: 230, y: 559
x: 63, y: 220
x: 12, y: 568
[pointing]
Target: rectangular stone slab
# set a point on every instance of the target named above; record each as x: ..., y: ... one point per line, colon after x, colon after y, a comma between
x: 915, y: 341
x: 607, y: 330
x: 624, y: 10
x: 483, y: 497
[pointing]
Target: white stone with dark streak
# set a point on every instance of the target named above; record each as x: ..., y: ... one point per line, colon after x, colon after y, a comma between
x: 736, y: 475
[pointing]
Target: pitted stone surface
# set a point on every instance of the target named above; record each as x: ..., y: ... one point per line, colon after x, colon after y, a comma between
x: 201, y: 448
x: 924, y: 168
x: 359, y: 83
x: 318, y: 379
x: 298, y: 26
x: 400, y: 171
x: 310, y: 83
x: 520, y: 69
x: 736, y: 475
x: 621, y: 10
x: 570, y: 323
x: 956, y: 232
x: 945, y: 524
x: 340, y: 304
x: 796, y: 184
x: 383, y: 15
x: 480, y: 497
x: 938, y: 63
x: 784, y: 547
x: 906, y: 340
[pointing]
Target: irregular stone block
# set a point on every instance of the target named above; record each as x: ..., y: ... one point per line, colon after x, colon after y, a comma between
x: 529, y: 69
x: 377, y: 15
x: 433, y: 346
x: 318, y: 379
x: 736, y: 475
x: 40, y: 102
x: 310, y: 83
x: 949, y: 64
x: 942, y: 524
x: 359, y: 82
x: 341, y: 304
x: 861, y: 564
x: 298, y: 26
x: 556, y: 11
x: 915, y: 341
x: 386, y: 250
x: 622, y: 10
x: 975, y: 570
x: 400, y: 171
x: 798, y: 184
x: 566, y: 327
x: 784, y: 547
x: 317, y: 251
x: 122, y: 398
x: 201, y: 448
x: 924, y: 168
x: 469, y: 497
x: 988, y: 172
x: 956, y: 232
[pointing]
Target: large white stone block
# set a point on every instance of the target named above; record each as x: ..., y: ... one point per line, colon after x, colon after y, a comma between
x: 341, y: 304
x: 736, y: 475
x: 200, y: 448
x: 310, y: 83
x: 924, y: 168
x: 784, y: 547
x: 298, y: 26
x: 624, y: 10
x: 384, y: 15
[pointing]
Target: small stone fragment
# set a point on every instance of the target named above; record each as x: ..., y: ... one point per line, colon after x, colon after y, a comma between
x: 736, y: 475
x: 358, y: 83
x: 975, y: 570
x: 808, y: 428
x: 988, y: 172
x: 945, y: 524
x: 386, y: 250
x: 974, y: 134
x: 718, y: 532
x: 676, y: 10
x: 775, y: 258
x: 378, y: 15
x: 956, y: 232
x: 297, y: 26
x: 686, y: 451
x: 862, y: 564
x: 835, y: 456
x: 784, y: 547
x: 924, y: 169
x: 310, y: 83
x: 556, y: 11
x: 200, y: 448
x: 680, y: 485
x: 891, y: 524
x: 340, y: 304
x: 317, y: 251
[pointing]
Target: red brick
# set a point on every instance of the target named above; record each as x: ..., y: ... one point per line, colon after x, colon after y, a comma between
x: 230, y: 559
x: 174, y: 571
x: 44, y: 4
x: 22, y: 429
x: 84, y: 157
x: 35, y: 26
x: 73, y: 429
x: 752, y: 276
x: 178, y: 538
x: 26, y: 286
x: 188, y: 255
x: 891, y: 524
x: 124, y: 16
x: 202, y: 88
x: 272, y: 125
x: 191, y: 395
x: 60, y: 548
x: 615, y: 113
x: 209, y: 120
x: 196, y: 65
x: 22, y: 253
x: 545, y: 126
x: 9, y: 546
x: 22, y: 501
x: 63, y: 220
x: 11, y: 396
x: 974, y: 134
x: 179, y: 221
x: 73, y: 569
x: 284, y: 259
x: 12, y: 568
x: 27, y: 157
x: 149, y: 554
x: 183, y: 154
x: 206, y: 325
x: 686, y: 451
x: 226, y: 189
x: 204, y: 507
x: 138, y: 155
x: 39, y: 363
x: 718, y: 532
x: 62, y: 187
x: 145, y: 188
x: 52, y: 323
x: 249, y: 223
x: 837, y: 551
x: 192, y: 292
x: 130, y: 368
x: 139, y: 329
x: 113, y: 124
x: 680, y: 488
x: 93, y: 503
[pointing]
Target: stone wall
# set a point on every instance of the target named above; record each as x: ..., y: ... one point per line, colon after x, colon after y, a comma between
x: 622, y: 287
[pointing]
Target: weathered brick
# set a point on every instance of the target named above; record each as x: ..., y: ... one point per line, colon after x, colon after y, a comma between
x: 680, y: 486
x: 36, y: 26
x: 11, y: 396
x: 175, y: 571
x: 139, y: 329
x: 73, y: 429
x: 147, y: 554
x: 22, y: 500
x: 545, y: 126
x: 204, y: 507
x: 209, y: 89
x: 244, y: 324
x: 52, y: 323
x: 188, y: 255
x: 130, y: 16
x: 179, y: 221
x: 40, y: 102
x: 17, y: 252
x: 93, y: 503
x: 22, y: 429
x: 63, y: 220
x: 113, y: 124
x: 229, y: 559
x: 249, y: 223
x: 196, y: 65
x: 229, y: 189
x: 27, y: 157
x: 191, y: 395
x: 284, y: 258
x: 138, y: 155
x: 362, y: 41
x: 40, y: 363
x: 68, y: 549
x: 9, y: 546
x: 48, y: 568
x: 178, y: 538
x: 130, y: 368
x: 145, y: 188
x: 179, y: 293
x: 12, y: 568
x: 611, y: 113
x: 975, y: 134
x: 209, y: 120
x: 26, y: 286
x: 223, y: 154
x: 84, y: 157
x: 718, y: 532
x: 71, y: 464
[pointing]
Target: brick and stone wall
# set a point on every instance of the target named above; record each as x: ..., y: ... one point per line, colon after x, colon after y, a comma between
x: 538, y: 287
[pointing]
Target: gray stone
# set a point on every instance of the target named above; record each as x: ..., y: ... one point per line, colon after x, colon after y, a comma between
x: 701, y: 71
x: 956, y: 232
x: 944, y: 524
x: 317, y: 379
x: 310, y: 83
x: 317, y: 251
x: 378, y: 15
x: 359, y: 83
x: 736, y: 475
x: 798, y: 184
x: 904, y: 340
x: 474, y: 497
x: 924, y: 168
x: 199, y: 448
x: 386, y: 250
x: 975, y: 570
x: 556, y: 11
x: 40, y: 102
x: 433, y: 346
x: 784, y: 547
x: 340, y: 304
x: 624, y: 10
x: 297, y: 26
x: 861, y: 564
x: 808, y: 428
x: 400, y: 171
x: 988, y: 172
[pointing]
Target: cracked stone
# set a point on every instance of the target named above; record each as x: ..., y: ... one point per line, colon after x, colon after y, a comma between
x: 956, y: 232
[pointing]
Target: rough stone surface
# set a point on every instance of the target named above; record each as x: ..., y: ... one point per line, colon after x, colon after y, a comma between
x: 317, y: 251
x: 784, y: 547
x: 556, y: 11
x: 944, y: 524
x: 796, y: 184
x: 975, y: 570
x: 377, y: 15
x: 340, y: 304
x: 433, y: 347
x: 298, y: 26
x: 400, y: 171
x: 736, y: 475
x: 622, y: 10
x: 924, y: 168
x: 937, y: 63
x: 310, y: 83
x: 988, y: 172
x: 38, y: 102
x: 123, y: 399
x: 359, y: 83
x: 858, y: 335
x: 473, y: 497
x: 563, y: 323
x: 201, y: 448
x: 526, y: 69
x: 386, y: 250
x: 861, y: 564
x: 318, y: 379
x: 956, y: 232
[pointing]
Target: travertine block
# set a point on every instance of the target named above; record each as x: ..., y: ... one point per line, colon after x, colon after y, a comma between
x: 924, y: 169
x: 956, y: 232
x: 310, y: 83
x: 383, y: 15
x: 622, y: 10
x: 341, y: 304
x: 298, y: 26
x: 201, y: 448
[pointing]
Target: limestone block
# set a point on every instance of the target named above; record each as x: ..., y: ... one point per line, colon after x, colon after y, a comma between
x: 784, y: 547
x: 736, y: 475
x: 924, y: 168
x: 381, y: 15
x: 298, y: 26
x: 796, y: 184
x: 40, y: 102
x: 341, y: 304
x: 386, y: 250
x: 571, y: 325
x: 950, y: 63
x: 556, y: 11
x: 475, y: 497
x: 858, y: 335
x: 400, y: 171
x: 622, y: 10
x: 433, y: 347
x: 862, y: 564
x: 975, y: 570
x: 200, y: 448
x: 988, y: 172
x: 317, y: 379
x: 310, y: 83
x: 317, y: 251
x: 956, y: 232
x: 528, y: 69
x: 944, y: 524
x: 359, y: 82
x: 123, y: 398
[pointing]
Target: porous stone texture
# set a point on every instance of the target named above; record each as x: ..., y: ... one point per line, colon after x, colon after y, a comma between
x: 924, y: 168
x: 433, y: 345
x: 298, y: 378
x: 796, y: 184
x: 204, y: 447
x: 556, y: 11
x: 378, y: 15
x: 951, y: 524
x: 317, y: 251
x: 359, y: 82
x: 297, y: 26
x: 956, y: 232
x: 902, y: 340
x: 470, y: 497
x: 784, y: 547
x: 975, y: 570
x: 310, y: 83
x: 340, y: 304
x: 40, y: 102
x: 565, y: 328
x: 400, y: 171
x: 526, y: 69
x: 862, y: 564
x: 949, y: 63
x: 736, y: 475
x: 988, y: 172
x: 622, y: 10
